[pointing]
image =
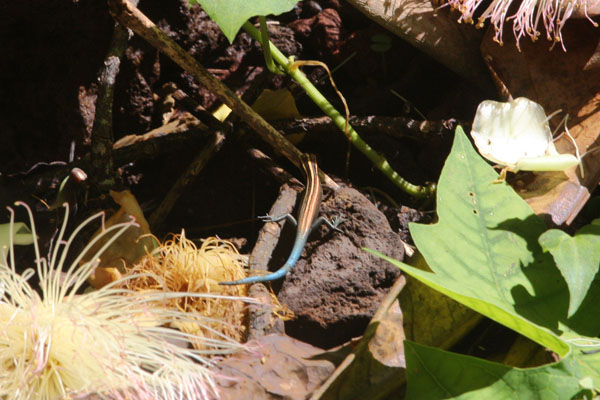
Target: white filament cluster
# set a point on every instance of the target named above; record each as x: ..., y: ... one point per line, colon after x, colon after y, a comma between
x: 112, y: 343
x: 552, y: 14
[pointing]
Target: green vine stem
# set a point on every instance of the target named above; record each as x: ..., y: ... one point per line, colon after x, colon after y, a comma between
x: 264, y: 35
x: 377, y: 159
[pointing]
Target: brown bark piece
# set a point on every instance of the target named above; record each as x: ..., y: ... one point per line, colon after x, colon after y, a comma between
x: 557, y: 80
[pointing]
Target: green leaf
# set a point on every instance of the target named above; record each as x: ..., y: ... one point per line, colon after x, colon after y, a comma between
x: 503, y: 314
x: 437, y: 374
x: 21, y: 236
x: 484, y: 253
x: 577, y: 258
x: 230, y: 15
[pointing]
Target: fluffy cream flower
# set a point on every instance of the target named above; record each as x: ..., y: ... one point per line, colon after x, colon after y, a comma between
x: 57, y: 344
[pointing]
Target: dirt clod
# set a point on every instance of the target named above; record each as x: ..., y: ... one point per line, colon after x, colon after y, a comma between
x: 336, y: 287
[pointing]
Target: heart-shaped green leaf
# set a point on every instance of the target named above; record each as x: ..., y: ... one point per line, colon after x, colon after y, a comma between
x: 577, y: 258
x: 230, y: 15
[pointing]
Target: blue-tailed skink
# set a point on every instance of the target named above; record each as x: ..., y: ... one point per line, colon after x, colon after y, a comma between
x: 307, y: 221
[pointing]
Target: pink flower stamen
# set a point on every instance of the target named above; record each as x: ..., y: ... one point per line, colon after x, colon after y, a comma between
x: 553, y: 14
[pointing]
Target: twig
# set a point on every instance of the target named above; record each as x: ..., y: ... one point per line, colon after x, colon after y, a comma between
x: 399, y: 127
x: 280, y: 174
x: 194, y: 107
x: 157, y: 142
x: 102, y: 130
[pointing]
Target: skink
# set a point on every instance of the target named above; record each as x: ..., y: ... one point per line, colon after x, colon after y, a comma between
x: 307, y: 221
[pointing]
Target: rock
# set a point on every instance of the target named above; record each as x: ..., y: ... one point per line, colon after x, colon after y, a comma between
x: 335, y: 288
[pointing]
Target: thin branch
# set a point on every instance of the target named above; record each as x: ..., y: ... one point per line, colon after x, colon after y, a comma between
x: 398, y: 127
x: 102, y: 130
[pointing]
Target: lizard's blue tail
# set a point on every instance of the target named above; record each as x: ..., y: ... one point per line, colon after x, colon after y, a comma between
x: 262, y: 278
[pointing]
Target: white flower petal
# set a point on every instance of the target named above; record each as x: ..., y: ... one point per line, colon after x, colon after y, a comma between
x: 516, y: 135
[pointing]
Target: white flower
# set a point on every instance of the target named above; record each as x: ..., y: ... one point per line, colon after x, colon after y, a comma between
x: 516, y: 135
x: 111, y: 342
